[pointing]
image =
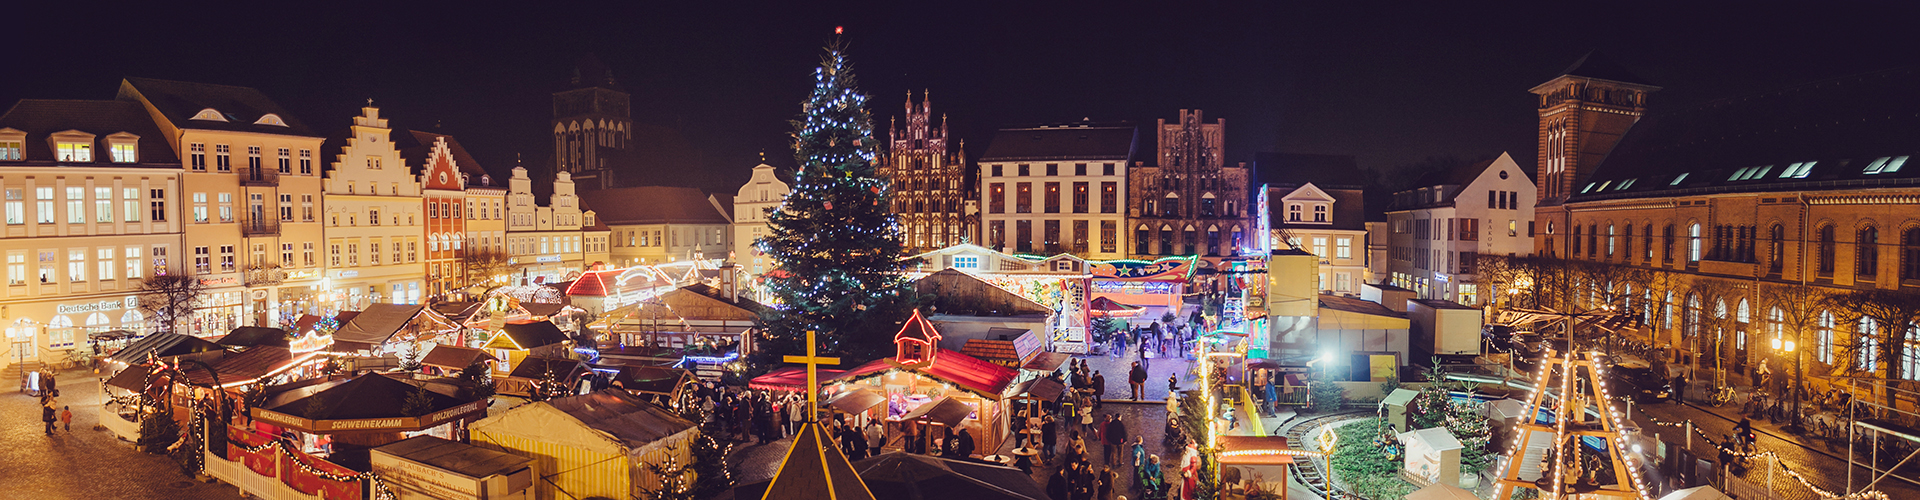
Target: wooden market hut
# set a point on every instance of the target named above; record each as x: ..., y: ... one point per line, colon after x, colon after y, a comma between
x: 647, y: 381
x: 518, y: 340
x: 681, y: 317
x: 373, y: 334
x: 368, y: 410
x: 449, y: 360
x: 532, y: 369
x: 920, y: 368
x: 166, y: 345
x: 591, y: 445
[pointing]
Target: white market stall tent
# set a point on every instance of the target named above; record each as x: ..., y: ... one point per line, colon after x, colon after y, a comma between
x: 595, y: 444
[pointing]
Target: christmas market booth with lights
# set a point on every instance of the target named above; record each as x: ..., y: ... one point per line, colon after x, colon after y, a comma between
x: 383, y: 332
x: 592, y: 445
x: 698, y: 327
x: 514, y: 342
x: 198, y: 375
x: 1059, y: 283
x: 313, y: 437
x: 927, y: 389
x: 968, y: 307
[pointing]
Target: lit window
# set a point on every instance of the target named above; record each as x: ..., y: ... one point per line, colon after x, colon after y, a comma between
x: 209, y: 114
x: 966, y: 262
x: 1885, y: 164
x: 74, y: 151
x: 1677, y: 180
x: 1798, y: 170
x: 10, y: 150
x: 122, y: 153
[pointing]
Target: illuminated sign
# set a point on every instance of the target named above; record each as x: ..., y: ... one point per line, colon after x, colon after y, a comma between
x: 228, y: 280
x: 1167, y: 268
x: 1262, y: 227
x: 547, y: 258
x: 100, y: 306
x: 349, y: 274
x: 1134, y: 287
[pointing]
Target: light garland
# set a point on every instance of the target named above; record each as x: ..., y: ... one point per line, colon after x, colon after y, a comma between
x: 381, y: 490
x: 1620, y: 440
x: 1291, y: 453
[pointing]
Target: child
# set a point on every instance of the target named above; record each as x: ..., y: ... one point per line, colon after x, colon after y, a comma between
x: 66, y: 418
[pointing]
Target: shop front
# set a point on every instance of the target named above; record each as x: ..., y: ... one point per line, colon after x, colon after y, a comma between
x: 47, y: 330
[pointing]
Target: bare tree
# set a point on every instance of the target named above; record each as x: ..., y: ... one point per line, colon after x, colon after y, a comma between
x: 170, y: 299
x: 1895, y: 312
x: 481, y: 267
x: 1715, y: 319
x: 1796, y: 308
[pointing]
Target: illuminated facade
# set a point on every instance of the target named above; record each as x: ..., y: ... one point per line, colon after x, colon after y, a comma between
x: 1441, y: 228
x: 375, y: 221
x: 1057, y: 189
x: 1189, y: 201
x: 553, y: 243
x: 751, y: 205
x: 931, y: 197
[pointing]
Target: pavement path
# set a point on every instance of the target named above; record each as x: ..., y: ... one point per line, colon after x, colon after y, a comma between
x: 1823, y: 465
x: 88, y: 463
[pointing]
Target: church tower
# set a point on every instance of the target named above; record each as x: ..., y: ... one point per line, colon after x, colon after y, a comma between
x: 592, y: 126
x: 931, y: 194
x: 1583, y: 114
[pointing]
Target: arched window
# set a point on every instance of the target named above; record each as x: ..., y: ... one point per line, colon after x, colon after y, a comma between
x: 1910, y: 254
x: 1777, y: 324
x: 1776, y: 248
x: 1166, y: 239
x: 1626, y: 243
x: 1823, y: 346
x: 133, y: 321
x: 1142, y: 239
x: 1867, y: 336
x: 1213, y: 240
x: 1825, y: 244
x: 1693, y: 243
x: 1666, y: 244
x: 1866, y: 260
x: 1690, y: 323
x: 1647, y: 242
x: 98, y: 322
x: 1575, y: 241
x: 1610, y: 241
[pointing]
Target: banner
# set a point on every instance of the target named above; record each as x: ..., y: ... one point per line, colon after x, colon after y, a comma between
x: 1167, y: 268
x: 312, y: 483
x: 263, y: 462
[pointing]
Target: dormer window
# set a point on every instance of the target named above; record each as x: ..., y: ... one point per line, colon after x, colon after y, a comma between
x: 121, y: 147
x: 1320, y: 213
x: 12, y: 144
x: 209, y: 114
x: 1293, y: 212
x: 72, y: 146
x: 270, y: 119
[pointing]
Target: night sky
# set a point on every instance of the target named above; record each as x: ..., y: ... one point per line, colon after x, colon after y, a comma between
x: 1391, y: 83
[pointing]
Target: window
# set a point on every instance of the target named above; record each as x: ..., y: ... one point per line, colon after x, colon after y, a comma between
x: 1166, y: 240
x: 1053, y: 197
x: 1867, y: 335
x: 1023, y: 170
x: 74, y: 151
x: 160, y: 260
x: 1079, y: 169
x: 1109, y: 236
x: 10, y: 150
x: 1343, y: 248
x: 253, y: 159
x: 47, y: 267
x: 966, y: 262
x: 1575, y: 240
x: 1693, y: 243
x: 130, y: 203
x: 222, y: 157
x: 105, y: 263
x: 1626, y: 243
x: 1823, y: 345
x: 17, y: 267
x: 121, y: 152
x: 1191, y: 242
x: 202, y: 260
x: 1909, y: 253
x: 134, y: 266
x: 1141, y: 237
x: 1320, y: 213
x: 1023, y: 197
x: 1884, y: 165
x: 997, y: 170
x: 1109, y: 196
x: 306, y: 162
x: 1320, y: 247
x: 1825, y: 248
x: 373, y: 217
x: 1053, y: 169
x: 1023, y: 234
x: 1080, y: 195
x: 373, y: 163
x: 16, y: 206
x: 157, y: 204
x: 353, y: 254
x: 43, y: 206
x: 226, y: 258
x: 1050, y: 236
x: 1610, y: 240
x: 1866, y: 261
x: 103, y: 204
x: 76, y: 205
x: 197, y: 155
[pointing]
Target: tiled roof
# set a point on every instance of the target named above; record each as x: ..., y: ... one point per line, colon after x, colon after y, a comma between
x: 631, y: 420
x: 40, y: 118
x: 1064, y: 142
x: 990, y: 350
x: 241, y: 106
x: 653, y: 205
x: 971, y: 373
x: 1824, y: 135
x: 237, y: 366
x: 415, y: 145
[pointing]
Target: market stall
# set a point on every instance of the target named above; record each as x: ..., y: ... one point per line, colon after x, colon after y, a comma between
x: 1251, y: 464
x: 364, y: 411
x: 430, y: 467
x: 450, y: 360
x: 591, y: 445
x: 921, y: 374
x: 518, y: 340
x: 531, y: 370
x: 1159, y: 283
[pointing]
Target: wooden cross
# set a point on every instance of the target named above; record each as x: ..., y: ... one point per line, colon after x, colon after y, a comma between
x: 813, y: 380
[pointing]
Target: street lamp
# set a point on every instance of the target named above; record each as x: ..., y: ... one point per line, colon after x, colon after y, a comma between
x: 1787, y: 346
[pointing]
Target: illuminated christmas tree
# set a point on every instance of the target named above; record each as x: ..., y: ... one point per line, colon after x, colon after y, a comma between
x: 837, y: 253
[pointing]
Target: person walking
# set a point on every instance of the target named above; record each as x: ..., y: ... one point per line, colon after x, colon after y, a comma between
x: 1103, y: 487
x: 1260, y: 390
x: 66, y: 418
x: 46, y: 415
x: 1116, y: 438
x: 1099, y: 388
x: 1173, y: 385
x: 1138, y: 379
x: 1048, y: 437
x: 876, y: 436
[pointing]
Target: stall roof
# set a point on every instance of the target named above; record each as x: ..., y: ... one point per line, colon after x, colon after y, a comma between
x: 856, y: 401
x: 536, y: 367
x: 377, y: 323
x: 651, y: 379
x: 163, y: 344
x: 255, y: 336
x: 133, y: 378
x: 527, y: 335
x: 1253, y: 444
x: 253, y: 363
x: 362, y: 397
x: 625, y: 417
x: 908, y: 476
x: 454, y: 357
x: 1044, y: 388
x: 966, y: 371
x: 1047, y: 361
x: 457, y: 457
x: 1436, y: 438
x: 790, y: 378
x: 945, y: 411
x: 457, y: 311
x: 541, y: 310
x: 990, y: 350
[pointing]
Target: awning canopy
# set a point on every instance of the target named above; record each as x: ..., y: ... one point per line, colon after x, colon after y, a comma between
x: 1254, y: 450
x: 371, y: 402
x: 134, y: 378
x: 1043, y: 388
x: 944, y: 411
x: 1047, y: 361
x: 536, y: 368
x: 857, y: 400
x: 791, y: 378
x: 1103, y: 306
